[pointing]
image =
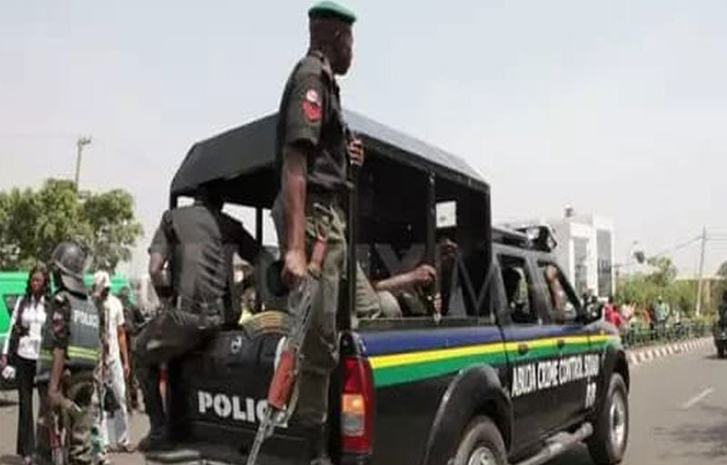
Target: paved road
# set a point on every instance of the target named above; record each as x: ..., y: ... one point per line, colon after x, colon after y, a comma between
x: 678, y: 416
x: 678, y: 413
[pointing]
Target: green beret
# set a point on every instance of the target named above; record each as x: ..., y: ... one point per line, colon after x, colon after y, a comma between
x: 328, y: 9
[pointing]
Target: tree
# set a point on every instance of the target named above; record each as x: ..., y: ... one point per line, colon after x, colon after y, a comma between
x: 114, y: 230
x: 722, y: 273
x: 722, y: 270
x: 664, y: 271
x: 32, y: 223
x: 645, y: 289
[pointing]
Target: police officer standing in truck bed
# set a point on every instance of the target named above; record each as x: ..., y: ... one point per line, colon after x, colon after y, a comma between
x: 313, y: 151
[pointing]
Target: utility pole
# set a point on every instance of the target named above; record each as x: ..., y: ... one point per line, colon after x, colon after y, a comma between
x: 701, y: 272
x: 80, y: 143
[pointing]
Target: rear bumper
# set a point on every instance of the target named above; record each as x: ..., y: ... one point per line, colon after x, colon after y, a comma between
x: 349, y: 459
x: 195, y: 457
x: 201, y: 454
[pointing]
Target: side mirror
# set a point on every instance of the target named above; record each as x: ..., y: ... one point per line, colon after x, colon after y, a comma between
x: 592, y: 312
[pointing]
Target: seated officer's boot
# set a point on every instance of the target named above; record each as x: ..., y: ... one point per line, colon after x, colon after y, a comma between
x: 317, y: 436
x: 154, y: 443
x: 158, y: 438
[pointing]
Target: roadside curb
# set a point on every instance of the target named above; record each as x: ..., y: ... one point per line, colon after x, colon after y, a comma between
x: 640, y: 356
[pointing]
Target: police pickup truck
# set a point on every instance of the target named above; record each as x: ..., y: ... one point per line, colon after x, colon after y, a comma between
x: 513, y: 369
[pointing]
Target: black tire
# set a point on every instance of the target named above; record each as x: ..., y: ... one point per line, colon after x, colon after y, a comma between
x: 720, y: 351
x: 268, y: 322
x: 608, y: 443
x: 481, y: 437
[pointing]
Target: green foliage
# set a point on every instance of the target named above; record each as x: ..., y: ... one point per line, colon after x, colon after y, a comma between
x: 722, y: 271
x: 113, y: 229
x: 664, y: 271
x: 32, y: 223
x: 645, y: 289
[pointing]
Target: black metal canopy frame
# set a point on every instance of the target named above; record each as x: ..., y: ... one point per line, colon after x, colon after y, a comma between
x: 242, y: 164
x: 247, y: 155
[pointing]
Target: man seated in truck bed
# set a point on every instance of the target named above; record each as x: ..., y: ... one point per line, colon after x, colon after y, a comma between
x: 191, y: 267
x: 379, y: 298
x: 403, y: 294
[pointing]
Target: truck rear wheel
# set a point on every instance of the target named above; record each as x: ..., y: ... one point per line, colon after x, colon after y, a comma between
x: 481, y: 444
x: 611, y: 430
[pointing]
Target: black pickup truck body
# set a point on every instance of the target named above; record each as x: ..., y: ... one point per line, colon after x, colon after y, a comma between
x: 500, y: 355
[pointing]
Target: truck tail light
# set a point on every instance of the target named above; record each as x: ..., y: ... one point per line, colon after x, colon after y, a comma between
x: 357, y: 406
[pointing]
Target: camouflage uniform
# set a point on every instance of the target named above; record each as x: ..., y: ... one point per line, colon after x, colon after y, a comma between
x: 311, y: 116
x: 74, y: 327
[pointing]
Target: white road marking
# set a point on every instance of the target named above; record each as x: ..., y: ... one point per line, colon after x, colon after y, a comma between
x: 696, y: 399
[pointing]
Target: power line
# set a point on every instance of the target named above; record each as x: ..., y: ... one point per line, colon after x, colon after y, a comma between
x: 633, y: 262
x: 678, y: 247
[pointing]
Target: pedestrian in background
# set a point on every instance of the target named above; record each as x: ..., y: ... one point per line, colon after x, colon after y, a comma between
x: 134, y: 320
x: 117, y: 360
x: 627, y: 311
x: 21, y: 352
x: 611, y: 313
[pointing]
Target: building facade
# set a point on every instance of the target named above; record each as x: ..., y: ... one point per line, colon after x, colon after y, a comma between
x: 586, y: 251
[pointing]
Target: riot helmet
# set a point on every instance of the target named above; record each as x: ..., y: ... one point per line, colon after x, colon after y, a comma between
x: 68, y: 262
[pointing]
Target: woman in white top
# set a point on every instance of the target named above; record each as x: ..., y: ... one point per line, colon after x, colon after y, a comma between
x: 22, y: 350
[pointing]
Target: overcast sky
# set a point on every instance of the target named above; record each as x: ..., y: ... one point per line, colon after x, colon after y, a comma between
x: 617, y: 108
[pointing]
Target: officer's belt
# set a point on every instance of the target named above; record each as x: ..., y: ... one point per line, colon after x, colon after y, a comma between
x: 328, y: 199
x: 214, y: 307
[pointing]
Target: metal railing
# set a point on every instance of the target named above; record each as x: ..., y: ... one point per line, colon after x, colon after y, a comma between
x: 663, y: 334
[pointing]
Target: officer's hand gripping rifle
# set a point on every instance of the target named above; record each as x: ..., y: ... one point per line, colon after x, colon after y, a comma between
x: 282, y: 385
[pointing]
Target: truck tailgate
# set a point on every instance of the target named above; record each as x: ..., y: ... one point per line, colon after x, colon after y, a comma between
x: 218, y: 397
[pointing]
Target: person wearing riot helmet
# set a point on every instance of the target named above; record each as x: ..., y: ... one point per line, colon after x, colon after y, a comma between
x: 69, y: 364
x: 313, y: 150
x: 191, y: 267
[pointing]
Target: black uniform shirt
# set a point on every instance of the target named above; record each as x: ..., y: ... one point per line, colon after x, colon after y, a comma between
x: 199, y: 243
x: 310, y: 116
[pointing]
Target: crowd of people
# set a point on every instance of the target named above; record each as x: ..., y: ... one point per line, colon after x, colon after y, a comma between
x: 23, y: 350
x: 627, y: 314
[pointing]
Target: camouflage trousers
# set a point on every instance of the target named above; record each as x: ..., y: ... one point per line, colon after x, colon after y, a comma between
x: 320, y: 346
x: 71, y: 437
x: 371, y: 303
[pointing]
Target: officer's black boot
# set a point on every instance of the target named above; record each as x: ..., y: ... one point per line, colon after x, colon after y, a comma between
x: 317, y: 438
x: 157, y: 439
